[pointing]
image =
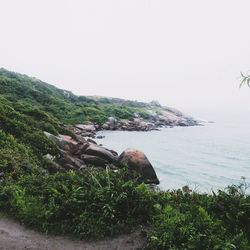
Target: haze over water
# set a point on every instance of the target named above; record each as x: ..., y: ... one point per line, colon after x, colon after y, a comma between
x: 204, y: 157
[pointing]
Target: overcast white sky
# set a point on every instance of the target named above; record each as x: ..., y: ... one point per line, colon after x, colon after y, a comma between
x: 186, y: 54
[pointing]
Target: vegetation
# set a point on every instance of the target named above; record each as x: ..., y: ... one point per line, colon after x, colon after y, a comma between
x: 245, y: 80
x: 92, y: 204
x: 26, y: 93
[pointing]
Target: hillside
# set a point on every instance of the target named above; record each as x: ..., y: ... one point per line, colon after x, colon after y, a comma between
x: 56, y: 180
x: 30, y: 107
x: 29, y: 93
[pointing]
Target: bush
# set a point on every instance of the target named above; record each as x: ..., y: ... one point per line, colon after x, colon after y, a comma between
x: 91, y: 204
x: 189, y: 220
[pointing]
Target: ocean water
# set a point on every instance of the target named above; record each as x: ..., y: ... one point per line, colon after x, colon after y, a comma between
x: 206, y: 158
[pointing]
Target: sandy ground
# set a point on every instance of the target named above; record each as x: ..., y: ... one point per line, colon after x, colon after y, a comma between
x: 14, y: 236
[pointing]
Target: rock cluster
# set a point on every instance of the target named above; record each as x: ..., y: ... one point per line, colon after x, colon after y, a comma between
x: 82, y: 153
x: 166, y: 118
x: 134, y: 124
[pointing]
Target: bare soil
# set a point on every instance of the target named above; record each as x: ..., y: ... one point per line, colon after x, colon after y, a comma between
x: 14, y: 236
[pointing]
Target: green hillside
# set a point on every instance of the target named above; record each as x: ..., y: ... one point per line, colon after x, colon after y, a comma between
x: 27, y: 93
x: 95, y: 203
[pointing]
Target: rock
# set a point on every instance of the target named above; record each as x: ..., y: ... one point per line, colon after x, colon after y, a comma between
x: 80, y: 138
x: 81, y: 148
x: 110, y: 124
x: 113, y: 152
x: 135, y: 115
x: 94, y: 160
x: 138, y: 162
x: 101, y: 152
x: 88, y: 134
x: 105, y: 126
x: 100, y: 136
x: 65, y: 142
x: 183, y: 123
x: 68, y: 160
x: 91, y: 141
x: 86, y: 127
x: 112, y: 121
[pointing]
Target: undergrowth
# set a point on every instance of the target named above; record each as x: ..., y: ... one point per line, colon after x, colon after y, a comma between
x: 93, y: 204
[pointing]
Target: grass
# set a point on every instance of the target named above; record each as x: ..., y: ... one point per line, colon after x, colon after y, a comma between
x: 94, y: 204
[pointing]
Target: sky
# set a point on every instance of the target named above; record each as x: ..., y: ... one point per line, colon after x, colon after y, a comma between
x: 185, y: 54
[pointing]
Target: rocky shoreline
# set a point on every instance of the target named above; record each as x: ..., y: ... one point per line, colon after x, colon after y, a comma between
x: 80, y: 154
x: 81, y: 151
x: 168, y: 118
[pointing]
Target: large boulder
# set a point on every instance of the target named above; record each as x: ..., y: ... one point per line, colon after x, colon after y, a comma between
x: 112, y: 122
x: 86, y: 127
x: 64, y: 142
x: 137, y: 162
x: 101, y: 152
x: 94, y: 160
x: 67, y: 161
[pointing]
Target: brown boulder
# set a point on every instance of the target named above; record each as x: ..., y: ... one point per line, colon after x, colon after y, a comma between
x: 139, y: 163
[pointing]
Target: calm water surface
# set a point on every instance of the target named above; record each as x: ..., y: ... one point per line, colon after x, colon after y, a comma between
x: 203, y: 157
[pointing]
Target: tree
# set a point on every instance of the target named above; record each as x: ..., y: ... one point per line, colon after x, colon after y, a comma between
x: 245, y: 80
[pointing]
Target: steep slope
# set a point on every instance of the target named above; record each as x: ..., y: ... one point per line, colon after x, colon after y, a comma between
x: 66, y: 107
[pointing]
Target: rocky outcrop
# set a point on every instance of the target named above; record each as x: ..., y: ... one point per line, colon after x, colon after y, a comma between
x: 78, y: 154
x: 165, y: 118
x: 83, y: 153
x: 134, y: 124
x: 86, y: 127
x: 136, y: 161
x: 101, y: 152
x: 64, y: 142
x: 153, y: 118
x: 94, y: 160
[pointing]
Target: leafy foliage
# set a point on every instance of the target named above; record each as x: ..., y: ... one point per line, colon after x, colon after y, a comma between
x: 187, y: 220
x: 89, y: 204
x: 245, y: 80
x: 61, y: 104
x: 97, y: 203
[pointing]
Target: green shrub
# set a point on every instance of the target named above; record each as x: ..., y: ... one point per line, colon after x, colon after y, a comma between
x: 189, y: 220
x: 99, y: 203
x: 91, y: 204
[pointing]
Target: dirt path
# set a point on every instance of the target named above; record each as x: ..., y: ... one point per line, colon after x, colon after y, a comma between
x: 14, y: 236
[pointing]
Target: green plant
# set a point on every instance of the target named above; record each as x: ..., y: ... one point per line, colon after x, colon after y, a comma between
x: 245, y: 80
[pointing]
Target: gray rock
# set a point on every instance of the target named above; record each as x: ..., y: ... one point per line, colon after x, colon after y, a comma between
x: 94, y: 160
x: 64, y: 142
x: 101, y: 152
x: 100, y: 136
x: 76, y: 162
x: 67, y: 160
x: 137, y: 161
x: 91, y: 141
x: 86, y: 127
x: 112, y: 121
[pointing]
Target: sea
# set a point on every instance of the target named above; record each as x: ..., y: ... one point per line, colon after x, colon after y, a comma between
x: 206, y: 158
